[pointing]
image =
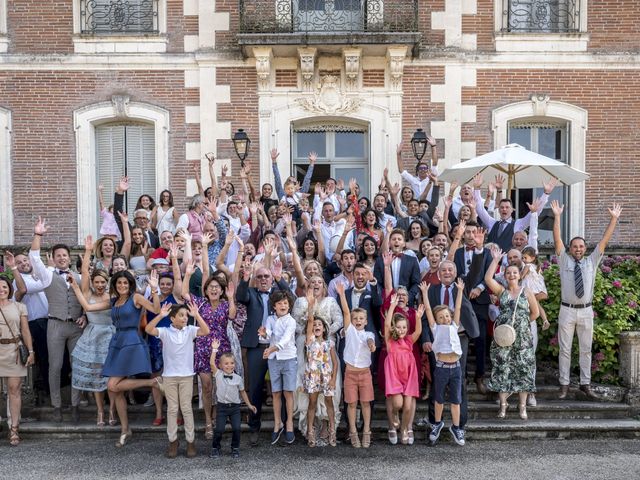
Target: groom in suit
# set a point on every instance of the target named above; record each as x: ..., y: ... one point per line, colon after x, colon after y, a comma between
x: 405, y: 269
x: 472, y: 262
x: 257, y: 303
x: 446, y: 294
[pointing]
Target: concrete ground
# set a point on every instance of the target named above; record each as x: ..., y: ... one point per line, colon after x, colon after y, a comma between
x: 41, y: 458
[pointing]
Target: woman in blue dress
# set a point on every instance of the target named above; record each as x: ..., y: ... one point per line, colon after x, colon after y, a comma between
x: 128, y: 352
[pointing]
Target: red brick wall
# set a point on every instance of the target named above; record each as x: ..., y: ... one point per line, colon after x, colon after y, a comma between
x: 612, y: 138
x: 430, y: 38
x: 242, y: 112
x: 373, y: 78
x: 178, y: 26
x: 227, y: 40
x: 417, y: 109
x: 482, y: 24
x: 286, y: 78
x: 614, y: 25
x: 43, y: 138
x: 37, y: 26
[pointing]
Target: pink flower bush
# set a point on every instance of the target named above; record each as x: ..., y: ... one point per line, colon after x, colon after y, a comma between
x: 616, y: 284
x: 609, y: 300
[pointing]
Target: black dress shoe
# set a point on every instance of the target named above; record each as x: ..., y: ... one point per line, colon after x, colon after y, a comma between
x: 253, y: 439
x: 56, y: 416
x: 586, y: 389
x: 564, y: 390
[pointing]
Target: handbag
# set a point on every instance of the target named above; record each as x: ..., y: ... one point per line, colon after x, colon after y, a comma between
x: 505, y: 335
x: 23, y: 351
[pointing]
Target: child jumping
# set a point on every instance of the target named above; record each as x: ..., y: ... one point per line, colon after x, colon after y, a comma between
x: 447, y: 349
x: 177, y: 376
x: 283, y: 361
x: 229, y: 391
x: 320, y: 372
x: 358, y: 384
x: 400, y: 369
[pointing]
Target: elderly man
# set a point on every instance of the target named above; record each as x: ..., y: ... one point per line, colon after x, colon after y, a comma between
x: 193, y: 221
x: 445, y: 294
x: 577, y: 279
x: 141, y: 217
x: 258, y: 309
x: 65, y: 319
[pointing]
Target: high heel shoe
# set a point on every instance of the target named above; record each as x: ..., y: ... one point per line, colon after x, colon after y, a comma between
x: 208, y: 431
x: 311, y: 437
x: 100, y: 421
x: 332, y: 437
x: 522, y: 408
x: 404, y: 439
x: 14, y: 436
x: 502, y: 413
x: 124, y: 439
x: 112, y: 418
x: 355, y: 441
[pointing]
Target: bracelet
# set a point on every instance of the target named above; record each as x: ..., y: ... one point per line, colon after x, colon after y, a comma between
x: 214, y: 349
x: 14, y: 268
x: 38, y: 234
x: 31, y: 351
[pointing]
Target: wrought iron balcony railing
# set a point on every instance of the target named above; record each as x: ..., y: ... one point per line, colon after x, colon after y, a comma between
x: 541, y: 16
x: 328, y: 16
x: 119, y: 17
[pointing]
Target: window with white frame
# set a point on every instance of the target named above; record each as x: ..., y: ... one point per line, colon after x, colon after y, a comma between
x: 126, y: 149
x: 4, y: 40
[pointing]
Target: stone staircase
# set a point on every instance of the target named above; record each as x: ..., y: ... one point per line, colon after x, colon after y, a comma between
x: 552, y: 418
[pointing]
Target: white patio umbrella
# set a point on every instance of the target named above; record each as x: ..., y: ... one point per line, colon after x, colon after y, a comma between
x: 523, y: 168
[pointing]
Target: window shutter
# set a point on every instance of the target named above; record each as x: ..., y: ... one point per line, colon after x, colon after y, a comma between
x: 110, y: 159
x: 141, y: 163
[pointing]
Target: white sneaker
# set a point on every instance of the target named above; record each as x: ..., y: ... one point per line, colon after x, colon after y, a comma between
x: 531, y: 400
x: 150, y: 402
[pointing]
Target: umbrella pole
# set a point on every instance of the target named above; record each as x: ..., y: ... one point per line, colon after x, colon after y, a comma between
x: 510, y: 178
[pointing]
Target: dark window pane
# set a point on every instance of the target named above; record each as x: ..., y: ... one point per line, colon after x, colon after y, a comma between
x: 350, y: 144
x: 548, y: 142
x: 311, y: 142
x: 521, y: 136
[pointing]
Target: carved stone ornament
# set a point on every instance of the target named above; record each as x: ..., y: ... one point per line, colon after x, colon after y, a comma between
x: 352, y: 64
x: 396, y: 57
x: 540, y: 103
x: 329, y: 99
x: 263, y: 66
x: 307, y: 64
x: 120, y: 105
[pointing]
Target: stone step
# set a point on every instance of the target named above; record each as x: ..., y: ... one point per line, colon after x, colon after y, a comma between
x: 478, y: 410
x: 477, y: 430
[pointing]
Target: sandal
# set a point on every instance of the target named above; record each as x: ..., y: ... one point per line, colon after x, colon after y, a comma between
x: 100, y: 421
x: 393, y: 436
x: 366, y: 439
x: 208, y: 431
x: 355, y: 441
x: 404, y: 437
x: 311, y: 438
x: 112, y: 418
x: 410, y: 438
x: 124, y: 439
x: 502, y: 413
x: 14, y: 437
x: 332, y: 437
x: 523, y: 411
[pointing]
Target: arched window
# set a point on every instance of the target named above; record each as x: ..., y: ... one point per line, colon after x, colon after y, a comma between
x: 557, y: 130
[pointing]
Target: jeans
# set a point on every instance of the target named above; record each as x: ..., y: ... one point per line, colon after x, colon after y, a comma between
x: 257, y: 367
x: 232, y: 412
x: 38, y: 329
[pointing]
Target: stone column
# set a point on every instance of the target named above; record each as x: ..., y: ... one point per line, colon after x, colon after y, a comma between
x: 630, y: 365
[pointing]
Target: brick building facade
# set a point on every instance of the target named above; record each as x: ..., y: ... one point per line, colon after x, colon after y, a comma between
x: 351, y: 77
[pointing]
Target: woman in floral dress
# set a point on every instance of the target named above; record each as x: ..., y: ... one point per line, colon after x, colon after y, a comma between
x: 513, y: 367
x: 216, y: 308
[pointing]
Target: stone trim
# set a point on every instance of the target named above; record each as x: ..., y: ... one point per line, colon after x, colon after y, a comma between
x: 6, y: 190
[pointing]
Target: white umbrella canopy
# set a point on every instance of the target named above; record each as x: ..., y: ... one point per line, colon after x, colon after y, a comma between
x: 523, y: 168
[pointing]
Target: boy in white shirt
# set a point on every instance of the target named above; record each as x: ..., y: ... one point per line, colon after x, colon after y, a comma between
x: 177, y: 376
x: 358, y: 385
x: 447, y: 349
x: 229, y: 390
x: 280, y: 330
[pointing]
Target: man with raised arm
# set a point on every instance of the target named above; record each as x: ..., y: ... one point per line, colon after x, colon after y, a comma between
x: 421, y: 180
x: 501, y: 231
x: 577, y: 279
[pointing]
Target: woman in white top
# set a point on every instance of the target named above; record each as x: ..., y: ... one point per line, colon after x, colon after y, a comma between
x: 164, y: 216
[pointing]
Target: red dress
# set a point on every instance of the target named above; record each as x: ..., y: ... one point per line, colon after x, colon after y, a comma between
x: 410, y: 313
x: 401, y: 372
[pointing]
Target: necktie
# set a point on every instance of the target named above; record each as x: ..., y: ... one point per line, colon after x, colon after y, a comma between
x: 577, y: 275
x: 446, y: 296
x: 503, y: 224
x: 230, y: 377
x: 63, y: 272
x: 398, y: 255
x: 469, y: 249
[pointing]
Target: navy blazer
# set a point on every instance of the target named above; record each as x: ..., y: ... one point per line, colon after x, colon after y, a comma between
x: 468, y: 318
x: 477, y: 270
x: 250, y: 297
x: 409, y: 275
x: 118, y: 206
x: 371, y: 301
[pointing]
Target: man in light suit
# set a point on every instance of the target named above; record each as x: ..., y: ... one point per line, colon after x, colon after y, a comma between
x: 405, y: 269
x: 446, y: 294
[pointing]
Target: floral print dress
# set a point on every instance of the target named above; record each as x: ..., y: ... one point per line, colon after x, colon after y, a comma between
x: 217, y: 321
x: 513, y: 368
x: 318, y: 368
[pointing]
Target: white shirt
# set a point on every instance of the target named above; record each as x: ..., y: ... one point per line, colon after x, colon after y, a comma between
x: 446, y: 339
x: 418, y: 185
x: 35, y: 298
x: 331, y: 290
x: 488, y: 221
x: 228, y: 389
x: 281, y: 332
x: 40, y: 271
x: 331, y: 233
x: 356, y: 348
x: 177, y: 350
x: 395, y: 271
x: 385, y: 217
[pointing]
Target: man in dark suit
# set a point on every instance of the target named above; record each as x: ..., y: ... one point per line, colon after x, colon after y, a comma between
x: 472, y: 262
x: 140, y: 219
x: 446, y: 294
x: 405, y: 269
x: 258, y: 309
x: 414, y: 213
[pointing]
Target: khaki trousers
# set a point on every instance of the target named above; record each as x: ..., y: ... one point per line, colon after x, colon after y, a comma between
x: 579, y: 320
x: 179, y: 391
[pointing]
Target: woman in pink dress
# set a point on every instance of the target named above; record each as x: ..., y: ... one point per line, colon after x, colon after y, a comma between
x: 401, y: 372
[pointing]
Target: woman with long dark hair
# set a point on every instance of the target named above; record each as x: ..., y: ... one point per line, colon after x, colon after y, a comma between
x: 165, y: 216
